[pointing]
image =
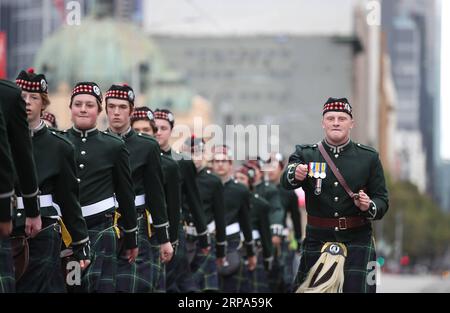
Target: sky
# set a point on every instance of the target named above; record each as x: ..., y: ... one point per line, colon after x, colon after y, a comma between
x: 445, y: 80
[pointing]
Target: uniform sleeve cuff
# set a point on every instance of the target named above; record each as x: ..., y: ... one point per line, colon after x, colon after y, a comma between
x: 31, y: 205
x: 162, y: 234
x: 5, y: 209
x: 220, y: 251
x: 203, y: 240
x: 250, y: 248
x: 130, y: 239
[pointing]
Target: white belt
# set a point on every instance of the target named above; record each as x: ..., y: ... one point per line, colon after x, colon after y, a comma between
x: 232, y: 229
x: 98, y: 207
x: 255, y: 234
x: 139, y: 200
x: 191, y: 230
x: 285, y: 232
x: 44, y: 201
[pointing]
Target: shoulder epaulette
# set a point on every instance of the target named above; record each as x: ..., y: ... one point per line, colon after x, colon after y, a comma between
x: 359, y: 145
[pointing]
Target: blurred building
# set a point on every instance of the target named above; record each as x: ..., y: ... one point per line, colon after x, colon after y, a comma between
x: 411, y: 29
x: 275, y: 72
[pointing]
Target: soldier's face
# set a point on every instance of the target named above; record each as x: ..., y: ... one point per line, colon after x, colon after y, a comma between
x: 242, y: 178
x: 163, y: 133
x: 337, y: 126
x: 221, y: 165
x: 118, y: 112
x: 34, y: 105
x: 143, y: 126
x: 84, y: 110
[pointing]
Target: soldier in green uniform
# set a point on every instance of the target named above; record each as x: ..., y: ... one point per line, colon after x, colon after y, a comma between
x: 17, y: 133
x: 269, y: 192
x: 103, y: 171
x: 179, y: 276
x: 236, y: 196
x: 55, y: 164
x: 339, y: 220
x: 145, y: 162
x: 143, y: 121
x: 262, y: 235
x: 210, y: 186
x: 283, y: 271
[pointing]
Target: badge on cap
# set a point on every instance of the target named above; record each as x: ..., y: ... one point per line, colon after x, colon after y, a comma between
x: 170, y: 117
x: 131, y: 95
x: 150, y: 115
x: 43, y: 85
x: 96, y: 90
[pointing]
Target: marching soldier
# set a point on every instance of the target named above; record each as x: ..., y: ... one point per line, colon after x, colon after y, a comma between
x: 143, y: 121
x: 55, y: 165
x: 269, y: 192
x: 237, y: 218
x: 145, y: 162
x: 283, y: 271
x: 259, y: 212
x: 179, y: 276
x: 15, y: 124
x: 104, y: 175
x: 345, y: 190
x: 211, y: 193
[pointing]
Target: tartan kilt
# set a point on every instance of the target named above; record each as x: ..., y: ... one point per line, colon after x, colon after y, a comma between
x: 44, y: 273
x: 280, y: 273
x: 178, y: 272
x: 100, y: 276
x: 204, y: 267
x: 261, y: 276
x: 7, y: 276
x: 138, y: 276
x: 159, y: 268
x: 360, y: 251
x: 243, y: 281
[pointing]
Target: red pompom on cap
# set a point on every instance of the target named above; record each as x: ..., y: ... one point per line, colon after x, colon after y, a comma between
x: 30, y: 70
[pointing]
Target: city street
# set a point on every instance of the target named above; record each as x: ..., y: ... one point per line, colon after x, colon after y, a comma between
x: 393, y: 283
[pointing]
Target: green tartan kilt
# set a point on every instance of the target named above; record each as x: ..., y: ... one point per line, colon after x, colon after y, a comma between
x: 159, y: 268
x: 243, y: 281
x: 203, y: 267
x: 261, y: 280
x: 357, y: 269
x: 139, y: 275
x: 100, y: 276
x: 7, y: 277
x: 178, y: 271
x: 44, y: 273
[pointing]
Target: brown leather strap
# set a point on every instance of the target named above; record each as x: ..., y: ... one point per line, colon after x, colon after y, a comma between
x: 341, y: 223
x: 335, y: 171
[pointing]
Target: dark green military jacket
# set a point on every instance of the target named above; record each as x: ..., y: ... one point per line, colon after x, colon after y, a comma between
x: 237, y: 210
x: 361, y: 168
x: 6, y: 173
x: 269, y: 191
x: 145, y: 163
x: 103, y: 170
x: 289, y: 201
x: 190, y: 195
x: 260, y: 210
x: 172, y: 189
x: 211, y: 194
x: 15, y: 117
x: 54, y: 157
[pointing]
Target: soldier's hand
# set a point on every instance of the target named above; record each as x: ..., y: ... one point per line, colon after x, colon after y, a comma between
x: 276, y: 241
x: 205, y: 251
x: 166, y: 252
x: 5, y: 229
x: 301, y: 171
x: 363, y: 202
x: 220, y: 261
x: 131, y: 254
x: 33, y: 226
x: 251, y: 263
x: 84, y: 264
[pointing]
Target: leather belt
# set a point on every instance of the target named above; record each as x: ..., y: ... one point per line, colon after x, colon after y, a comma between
x: 341, y: 223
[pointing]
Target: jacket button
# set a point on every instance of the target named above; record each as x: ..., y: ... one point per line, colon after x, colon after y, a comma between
x: 19, y: 214
x: 83, y: 152
x: 336, y: 199
x: 78, y: 180
x: 336, y: 228
x: 336, y: 155
x: 336, y: 184
x: 336, y: 214
x: 83, y: 139
x: 81, y: 166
